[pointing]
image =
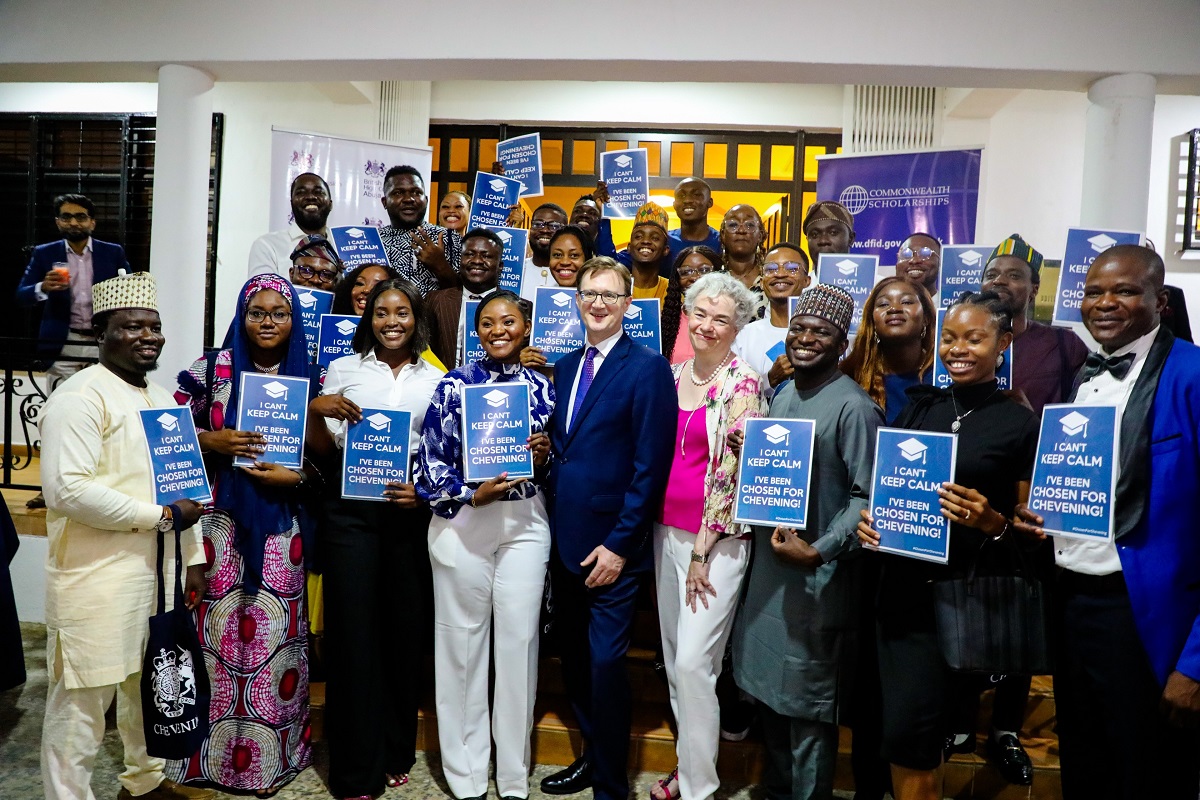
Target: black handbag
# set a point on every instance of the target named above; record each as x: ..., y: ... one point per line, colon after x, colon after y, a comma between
x: 175, y: 689
x: 994, y: 623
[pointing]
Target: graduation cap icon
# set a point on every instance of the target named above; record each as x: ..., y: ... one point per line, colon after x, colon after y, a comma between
x: 346, y: 327
x: 971, y: 258
x: 1101, y: 242
x: 846, y: 266
x: 505, y: 237
x: 308, y: 299
x: 633, y: 312
x: 1074, y: 423
x: 623, y: 161
x: 777, y: 434
x: 168, y: 421
x: 276, y: 390
x: 496, y: 398
x: 356, y: 233
x: 561, y: 299
x: 380, y: 421
x: 497, y: 184
x: 912, y: 450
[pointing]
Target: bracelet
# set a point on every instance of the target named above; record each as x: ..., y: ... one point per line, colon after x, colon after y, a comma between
x: 699, y: 559
x: 1004, y: 530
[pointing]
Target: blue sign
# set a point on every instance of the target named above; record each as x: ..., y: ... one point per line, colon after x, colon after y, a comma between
x: 1075, y: 474
x: 643, y: 323
x: 557, y: 329
x: 893, y: 195
x: 377, y: 452
x: 471, y: 341
x: 855, y: 274
x: 336, y: 337
x: 941, y: 377
x: 313, y: 304
x: 1083, y: 245
x: 496, y: 429
x: 910, y: 467
x: 175, y: 459
x: 358, y: 245
x: 522, y: 160
x: 775, y: 352
x: 626, y: 173
x: 962, y: 270
x: 277, y: 407
x: 494, y: 195
x: 775, y: 473
x: 513, y: 266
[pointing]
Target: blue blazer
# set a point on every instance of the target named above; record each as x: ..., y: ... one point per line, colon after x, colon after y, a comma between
x: 107, y: 258
x: 1159, y: 543
x: 608, y: 473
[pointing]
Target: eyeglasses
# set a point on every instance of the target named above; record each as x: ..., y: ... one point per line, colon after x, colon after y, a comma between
x: 923, y: 253
x: 792, y: 267
x: 692, y: 271
x: 543, y: 225
x: 308, y: 272
x: 733, y: 226
x: 588, y: 296
x: 83, y: 217
x: 278, y: 317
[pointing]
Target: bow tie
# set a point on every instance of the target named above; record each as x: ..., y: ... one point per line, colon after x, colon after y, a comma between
x: 1095, y: 364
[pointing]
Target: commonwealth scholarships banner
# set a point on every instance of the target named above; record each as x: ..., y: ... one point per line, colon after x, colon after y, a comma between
x: 1083, y: 246
x: 910, y: 467
x: 1074, y: 475
x: 894, y: 194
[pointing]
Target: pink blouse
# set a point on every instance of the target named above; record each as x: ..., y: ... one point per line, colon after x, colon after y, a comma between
x: 683, y: 503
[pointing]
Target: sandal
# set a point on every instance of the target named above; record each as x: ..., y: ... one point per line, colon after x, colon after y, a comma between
x: 395, y: 780
x: 669, y: 786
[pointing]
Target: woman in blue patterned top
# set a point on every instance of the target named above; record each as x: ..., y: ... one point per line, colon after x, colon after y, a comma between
x: 489, y: 543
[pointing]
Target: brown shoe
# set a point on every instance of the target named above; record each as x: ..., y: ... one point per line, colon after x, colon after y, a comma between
x: 36, y: 502
x: 168, y: 790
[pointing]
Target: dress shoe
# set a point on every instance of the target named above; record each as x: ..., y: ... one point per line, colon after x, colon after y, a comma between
x: 951, y: 749
x: 574, y: 778
x: 168, y: 790
x: 1011, y: 759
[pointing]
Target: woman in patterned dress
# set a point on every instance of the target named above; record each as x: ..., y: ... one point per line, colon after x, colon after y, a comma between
x: 252, y: 620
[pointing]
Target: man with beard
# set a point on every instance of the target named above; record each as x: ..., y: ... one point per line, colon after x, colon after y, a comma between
x: 445, y: 309
x: 311, y: 204
x: 829, y: 228
x: 920, y: 260
x: 426, y: 254
x: 796, y: 627
x: 102, y: 524
x: 545, y: 222
x: 693, y: 200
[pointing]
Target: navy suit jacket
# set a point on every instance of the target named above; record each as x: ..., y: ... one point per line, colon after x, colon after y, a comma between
x: 609, y: 471
x: 1158, y: 527
x: 107, y: 258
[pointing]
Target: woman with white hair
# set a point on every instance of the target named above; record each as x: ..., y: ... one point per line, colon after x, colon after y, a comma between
x: 700, y: 555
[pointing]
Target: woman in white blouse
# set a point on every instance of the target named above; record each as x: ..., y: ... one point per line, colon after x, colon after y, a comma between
x: 373, y: 554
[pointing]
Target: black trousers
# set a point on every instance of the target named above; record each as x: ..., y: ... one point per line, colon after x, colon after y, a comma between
x: 1008, y: 706
x: 378, y: 593
x: 1113, y: 740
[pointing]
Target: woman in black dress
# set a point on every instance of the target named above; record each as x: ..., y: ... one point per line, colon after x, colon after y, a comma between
x: 997, y: 439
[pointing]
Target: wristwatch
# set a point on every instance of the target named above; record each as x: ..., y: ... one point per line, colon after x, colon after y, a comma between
x: 167, y: 523
x: 699, y: 559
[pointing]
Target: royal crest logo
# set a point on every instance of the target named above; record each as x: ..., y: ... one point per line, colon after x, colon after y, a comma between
x: 302, y: 160
x: 374, y: 169
x: 173, y: 682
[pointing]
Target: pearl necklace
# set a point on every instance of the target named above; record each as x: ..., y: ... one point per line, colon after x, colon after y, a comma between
x: 261, y: 368
x: 709, y: 379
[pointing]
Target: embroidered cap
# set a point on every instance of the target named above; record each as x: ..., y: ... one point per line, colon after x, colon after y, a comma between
x: 127, y: 290
x: 318, y: 246
x: 831, y: 303
x: 828, y: 209
x: 651, y: 214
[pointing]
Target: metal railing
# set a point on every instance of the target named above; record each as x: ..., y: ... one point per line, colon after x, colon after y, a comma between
x: 21, y: 360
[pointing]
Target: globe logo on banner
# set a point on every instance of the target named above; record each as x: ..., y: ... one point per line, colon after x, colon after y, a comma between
x: 854, y: 198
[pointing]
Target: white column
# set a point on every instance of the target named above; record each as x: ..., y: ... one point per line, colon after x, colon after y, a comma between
x: 179, y: 221
x: 1116, y: 152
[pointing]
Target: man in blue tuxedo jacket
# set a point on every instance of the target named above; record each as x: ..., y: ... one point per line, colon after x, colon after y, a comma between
x: 1127, y: 680
x: 611, y: 437
x: 67, y: 298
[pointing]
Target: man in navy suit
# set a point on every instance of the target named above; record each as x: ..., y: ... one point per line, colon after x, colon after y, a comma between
x: 1127, y: 680
x: 611, y: 437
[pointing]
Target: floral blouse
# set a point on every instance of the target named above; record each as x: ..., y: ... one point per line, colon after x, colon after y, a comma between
x: 439, y: 472
x: 726, y: 410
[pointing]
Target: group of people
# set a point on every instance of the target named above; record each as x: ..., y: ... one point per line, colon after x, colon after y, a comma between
x: 635, y: 457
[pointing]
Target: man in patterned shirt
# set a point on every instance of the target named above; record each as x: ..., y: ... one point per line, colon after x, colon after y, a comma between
x: 428, y: 255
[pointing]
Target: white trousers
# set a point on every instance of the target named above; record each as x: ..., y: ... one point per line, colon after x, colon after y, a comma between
x: 693, y: 645
x: 72, y: 734
x: 489, y: 569
x: 59, y: 371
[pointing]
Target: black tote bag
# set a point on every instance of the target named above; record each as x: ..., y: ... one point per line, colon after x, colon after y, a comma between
x: 994, y: 623
x: 175, y: 690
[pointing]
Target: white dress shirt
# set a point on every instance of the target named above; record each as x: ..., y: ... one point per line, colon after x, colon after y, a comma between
x: 271, y: 253
x: 602, y: 350
x: 752, y: 344
x: 1099, y: 557
x: 534, y: 277
x: 369, y: 383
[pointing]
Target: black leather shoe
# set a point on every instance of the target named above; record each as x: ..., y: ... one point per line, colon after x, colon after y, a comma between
x: 1011, y: 759
x: 950, y: 749
x: 574, y: 778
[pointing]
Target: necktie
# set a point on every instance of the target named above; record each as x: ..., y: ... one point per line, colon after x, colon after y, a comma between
x: 585, y: 381
x: 1096, y: 363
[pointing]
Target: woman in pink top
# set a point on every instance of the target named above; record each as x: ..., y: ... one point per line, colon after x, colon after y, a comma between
x: 700, y: 556
x: 691, y: 264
